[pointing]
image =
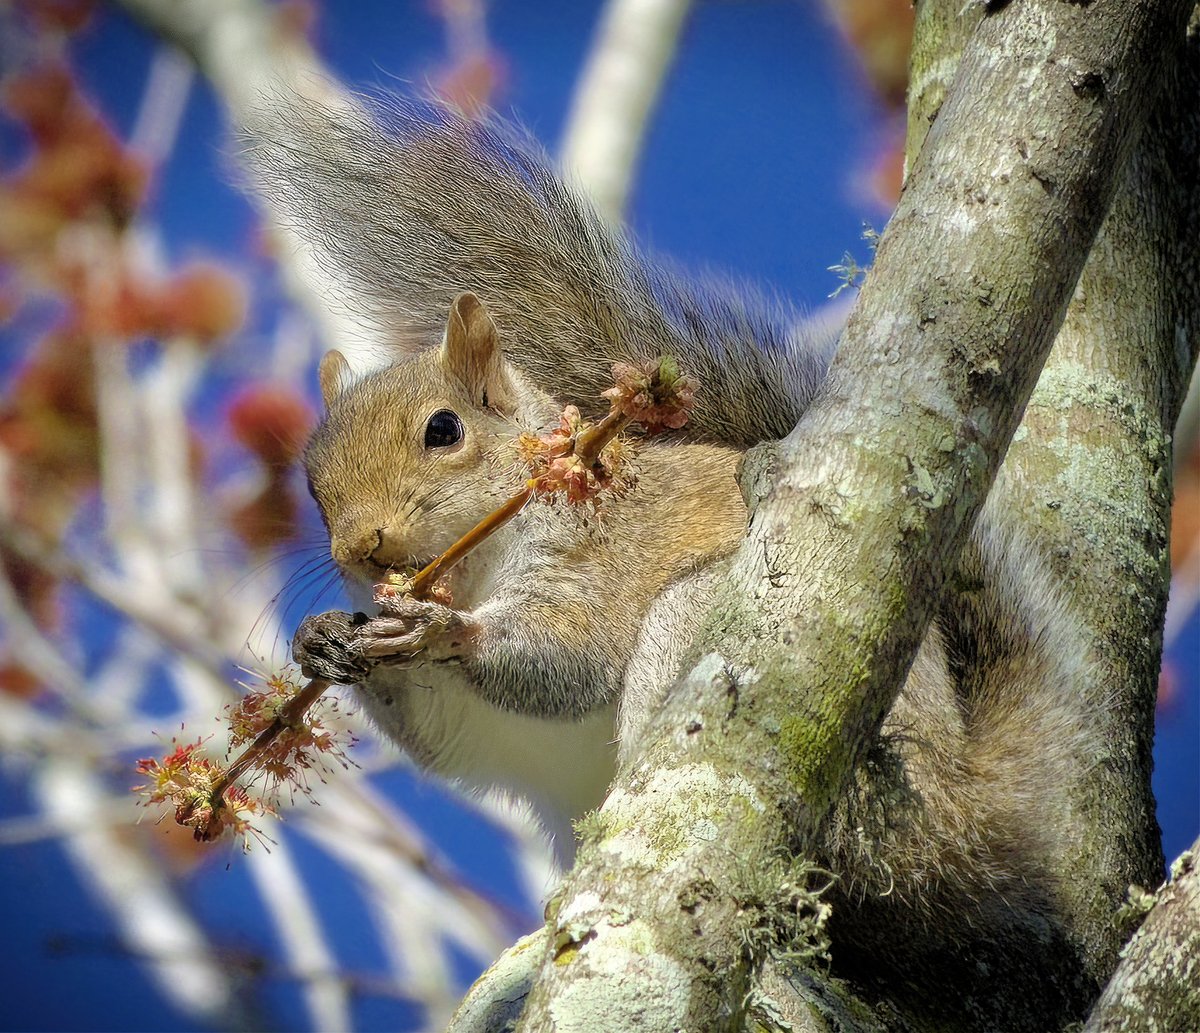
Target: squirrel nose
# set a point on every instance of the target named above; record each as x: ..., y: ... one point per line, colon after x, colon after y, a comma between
x: 388, y: 550
x: 357, y: 548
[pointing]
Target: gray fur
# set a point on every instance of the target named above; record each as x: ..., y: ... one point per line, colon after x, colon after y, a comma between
x: 953, y: 837
x: 413, y: 205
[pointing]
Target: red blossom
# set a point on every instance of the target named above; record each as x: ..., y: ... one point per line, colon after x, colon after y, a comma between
x: 44, y: 99
x: 472, y: 82
x: 556, y: 471
x: 270, y: 518
x: 301, y: 746
x: 654, y: 393
x: 203, y: 301
x: 272, y: 422
x: 187, y: 781
x: 17, y: 680
x: 59, y: 15
x: 296, y: 18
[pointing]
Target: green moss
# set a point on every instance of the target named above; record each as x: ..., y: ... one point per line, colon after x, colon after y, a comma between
x: 592, y: 827
x: 566, y: 955
x: 807, y: 744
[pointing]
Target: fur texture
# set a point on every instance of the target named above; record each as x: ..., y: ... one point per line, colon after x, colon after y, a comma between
x: 951, y: 838
x: 411, y: 205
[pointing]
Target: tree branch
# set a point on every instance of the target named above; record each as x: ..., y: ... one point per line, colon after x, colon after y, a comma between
x: 616, y: 94
x: 260, y: 69
x: 681, y: 880
x: 1087, y: 475
x: 1155, y: 987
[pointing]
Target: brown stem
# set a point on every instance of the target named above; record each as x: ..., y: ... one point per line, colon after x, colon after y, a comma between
x: 424, y: 579
x: 292, y: 713
x: 590, y: 443
x: 587, y: 446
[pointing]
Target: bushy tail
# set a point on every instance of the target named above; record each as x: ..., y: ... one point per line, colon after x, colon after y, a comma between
x: 412, y: 204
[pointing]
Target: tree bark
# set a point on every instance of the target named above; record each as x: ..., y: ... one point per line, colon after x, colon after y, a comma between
x: 1089, y: 469
x: 681, y: 887
x: 1156, y: 988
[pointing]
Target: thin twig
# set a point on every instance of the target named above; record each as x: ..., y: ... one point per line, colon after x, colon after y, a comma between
x: 290, y: 716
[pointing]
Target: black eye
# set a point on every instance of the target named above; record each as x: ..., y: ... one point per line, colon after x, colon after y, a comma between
x: 443, y: 429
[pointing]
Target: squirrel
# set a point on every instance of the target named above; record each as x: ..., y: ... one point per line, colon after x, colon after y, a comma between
x: 520, y: 685
x: 504, y: 294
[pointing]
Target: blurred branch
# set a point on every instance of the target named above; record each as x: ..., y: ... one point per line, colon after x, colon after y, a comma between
x: 1184, y: 596
x: 288, y: 900
x: 363, y: 816
x: 616, y: 94
x: 164, y: 99
x: 151, y: 917
x: 165, y: 623
x: 1187, y: 427
x: 166, y: 390
x: 260, y: 68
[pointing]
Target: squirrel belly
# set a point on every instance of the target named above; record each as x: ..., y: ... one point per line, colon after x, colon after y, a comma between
x: 561, y: 768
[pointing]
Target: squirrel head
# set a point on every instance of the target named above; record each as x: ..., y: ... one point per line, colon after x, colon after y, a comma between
x: 407, y: 459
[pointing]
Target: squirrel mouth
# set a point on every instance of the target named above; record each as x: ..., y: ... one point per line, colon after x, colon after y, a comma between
x: 404, y: 570
x: 369, y: 573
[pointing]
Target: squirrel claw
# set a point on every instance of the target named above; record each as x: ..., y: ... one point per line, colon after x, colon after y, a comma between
x: 324, y: 647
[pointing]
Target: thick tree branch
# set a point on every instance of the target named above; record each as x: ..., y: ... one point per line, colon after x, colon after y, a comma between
x: 854, y: 518
x: 1155, y: 987
x: 1087, y: 471
x: 1091, y: 474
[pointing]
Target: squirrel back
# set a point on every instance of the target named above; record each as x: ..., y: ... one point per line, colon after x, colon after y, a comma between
x: 412, y: 204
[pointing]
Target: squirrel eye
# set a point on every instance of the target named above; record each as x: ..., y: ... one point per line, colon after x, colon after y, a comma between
x: 443, y: 429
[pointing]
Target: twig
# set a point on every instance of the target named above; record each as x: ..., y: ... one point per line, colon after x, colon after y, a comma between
x: 616, y: 94
x: 27, y: 544
x: 421, y: 583
x: 290, y: 716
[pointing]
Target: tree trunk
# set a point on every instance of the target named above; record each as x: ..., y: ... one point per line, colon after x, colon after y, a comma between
x: 680, y: 889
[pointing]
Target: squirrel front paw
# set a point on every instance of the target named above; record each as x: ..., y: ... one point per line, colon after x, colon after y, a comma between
x: 412, y: 628
x: 326, y: 647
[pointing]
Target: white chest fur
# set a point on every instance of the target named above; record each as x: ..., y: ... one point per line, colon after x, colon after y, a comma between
x: 561, y: 767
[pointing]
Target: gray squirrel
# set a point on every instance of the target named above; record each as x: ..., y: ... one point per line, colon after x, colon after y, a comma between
x: 506, y: 295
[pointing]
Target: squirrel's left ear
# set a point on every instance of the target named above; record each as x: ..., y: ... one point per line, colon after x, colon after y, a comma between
x: 471, y: 353
x: 334, y: 375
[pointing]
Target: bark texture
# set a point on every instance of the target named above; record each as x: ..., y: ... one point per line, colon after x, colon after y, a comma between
x: 1157, y: 985
x: 684, y: 883
x: 1088, y: 469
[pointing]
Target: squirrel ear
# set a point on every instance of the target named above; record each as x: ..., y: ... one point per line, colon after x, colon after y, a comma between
x: 471, y: 353
x: 334, y: 376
